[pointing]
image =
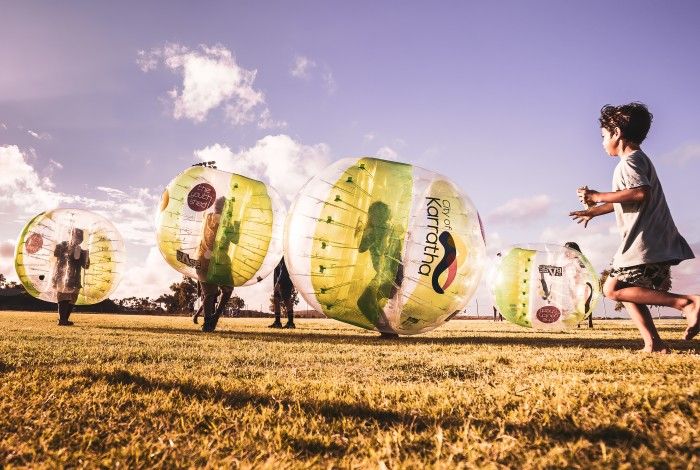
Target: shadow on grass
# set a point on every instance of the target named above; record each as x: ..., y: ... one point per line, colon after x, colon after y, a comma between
x: 506, y: 339
x: 560, y: 430
x: 4, y: 367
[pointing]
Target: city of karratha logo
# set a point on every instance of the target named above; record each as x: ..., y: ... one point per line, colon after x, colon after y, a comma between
x: 447, y: 263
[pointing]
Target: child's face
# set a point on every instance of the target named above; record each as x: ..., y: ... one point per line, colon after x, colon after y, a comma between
x: 610, y: 142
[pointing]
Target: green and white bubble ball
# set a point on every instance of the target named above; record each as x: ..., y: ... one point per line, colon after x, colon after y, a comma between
x: 384, y: 245
x: 544, y: 286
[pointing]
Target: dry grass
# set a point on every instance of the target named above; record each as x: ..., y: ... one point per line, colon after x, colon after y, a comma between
x: 148, y: 391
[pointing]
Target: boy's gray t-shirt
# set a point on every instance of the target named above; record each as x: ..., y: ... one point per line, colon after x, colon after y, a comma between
x: 648, y: 232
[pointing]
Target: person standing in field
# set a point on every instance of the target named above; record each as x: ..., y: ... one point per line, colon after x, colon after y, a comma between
x: 71, y: 259
x: 283, y: 294
x: 210, y: 291
x: 650, y: 244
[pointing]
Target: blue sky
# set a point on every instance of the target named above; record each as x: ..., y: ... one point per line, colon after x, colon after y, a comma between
x: 101, y: 104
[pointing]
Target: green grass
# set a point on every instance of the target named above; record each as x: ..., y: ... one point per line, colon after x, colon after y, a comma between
x: 150, y: 391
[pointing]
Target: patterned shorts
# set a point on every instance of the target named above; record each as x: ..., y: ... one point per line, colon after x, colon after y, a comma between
x: 655, y: 276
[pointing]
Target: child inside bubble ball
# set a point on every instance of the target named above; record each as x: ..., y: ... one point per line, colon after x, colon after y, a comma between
x: 71, y: 259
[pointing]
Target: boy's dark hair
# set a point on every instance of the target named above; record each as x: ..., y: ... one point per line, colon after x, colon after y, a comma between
x: 633, y: 120
x: 573, y: 246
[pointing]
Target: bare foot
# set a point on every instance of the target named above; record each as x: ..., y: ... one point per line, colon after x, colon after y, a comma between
x: 692, y: 317
x: 658, y: 347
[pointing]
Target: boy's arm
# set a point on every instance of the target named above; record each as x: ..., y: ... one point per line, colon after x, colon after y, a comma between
x: 586, y: 216
x: 590, y: 196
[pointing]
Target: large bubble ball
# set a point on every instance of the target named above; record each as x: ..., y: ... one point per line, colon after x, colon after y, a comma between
x: 544, y: 286
x: 70, y: 254
x: 384, y: 245
x: 219, y: 227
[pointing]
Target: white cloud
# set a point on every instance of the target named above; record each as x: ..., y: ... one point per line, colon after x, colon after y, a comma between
x: 266, y: 122
x: 387, y: 153
x: 151, y: 278
x: 3, y: 126
x: 23, y: 193
x: 302, y: 67
x: 111, y: 191
x: 22, y: 190
x: 148, y: 60
x: 684, y: 154
x: 39, y: 135
x: 211, y: 78
x: 369, y: 137
x: 277, y: 159
x: 521, y: 209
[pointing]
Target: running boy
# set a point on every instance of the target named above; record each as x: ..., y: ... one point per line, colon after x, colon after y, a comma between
x: 651, y: 243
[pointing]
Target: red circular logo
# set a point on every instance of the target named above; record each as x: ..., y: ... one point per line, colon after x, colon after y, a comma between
x: 34, y: 243
x: 548, y: 314
x: 201, y: 197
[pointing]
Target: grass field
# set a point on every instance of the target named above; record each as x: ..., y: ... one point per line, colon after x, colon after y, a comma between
x: 135, y: 391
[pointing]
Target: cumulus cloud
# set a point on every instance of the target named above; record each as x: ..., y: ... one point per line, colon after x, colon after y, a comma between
x: 521, y: 209
x: 211, y: 79
x: 387, y: 153
x: 23, y: 193
x: 302, y: 67
x: 277, y: 159
x: 22, y: 189
x: 684, y: 154
x: 149, y: 278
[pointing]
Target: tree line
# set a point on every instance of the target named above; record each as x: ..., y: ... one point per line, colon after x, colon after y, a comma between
x: 181, y: 299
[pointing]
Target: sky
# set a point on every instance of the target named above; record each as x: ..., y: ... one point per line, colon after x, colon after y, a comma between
x: 102, y: 103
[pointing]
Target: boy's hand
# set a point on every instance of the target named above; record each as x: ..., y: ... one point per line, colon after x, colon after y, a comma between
x: 582, y: 216
x: 586, y: 196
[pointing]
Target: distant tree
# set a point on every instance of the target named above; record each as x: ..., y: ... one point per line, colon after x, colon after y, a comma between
x: 5, y: 284
x: 237, y: 304
x: 183, y: 297
x: 138, y: 304
x: 283, y: 308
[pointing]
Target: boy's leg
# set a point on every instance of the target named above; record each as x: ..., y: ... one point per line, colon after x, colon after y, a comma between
x: 689, y: 305
x: 641, y: 316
